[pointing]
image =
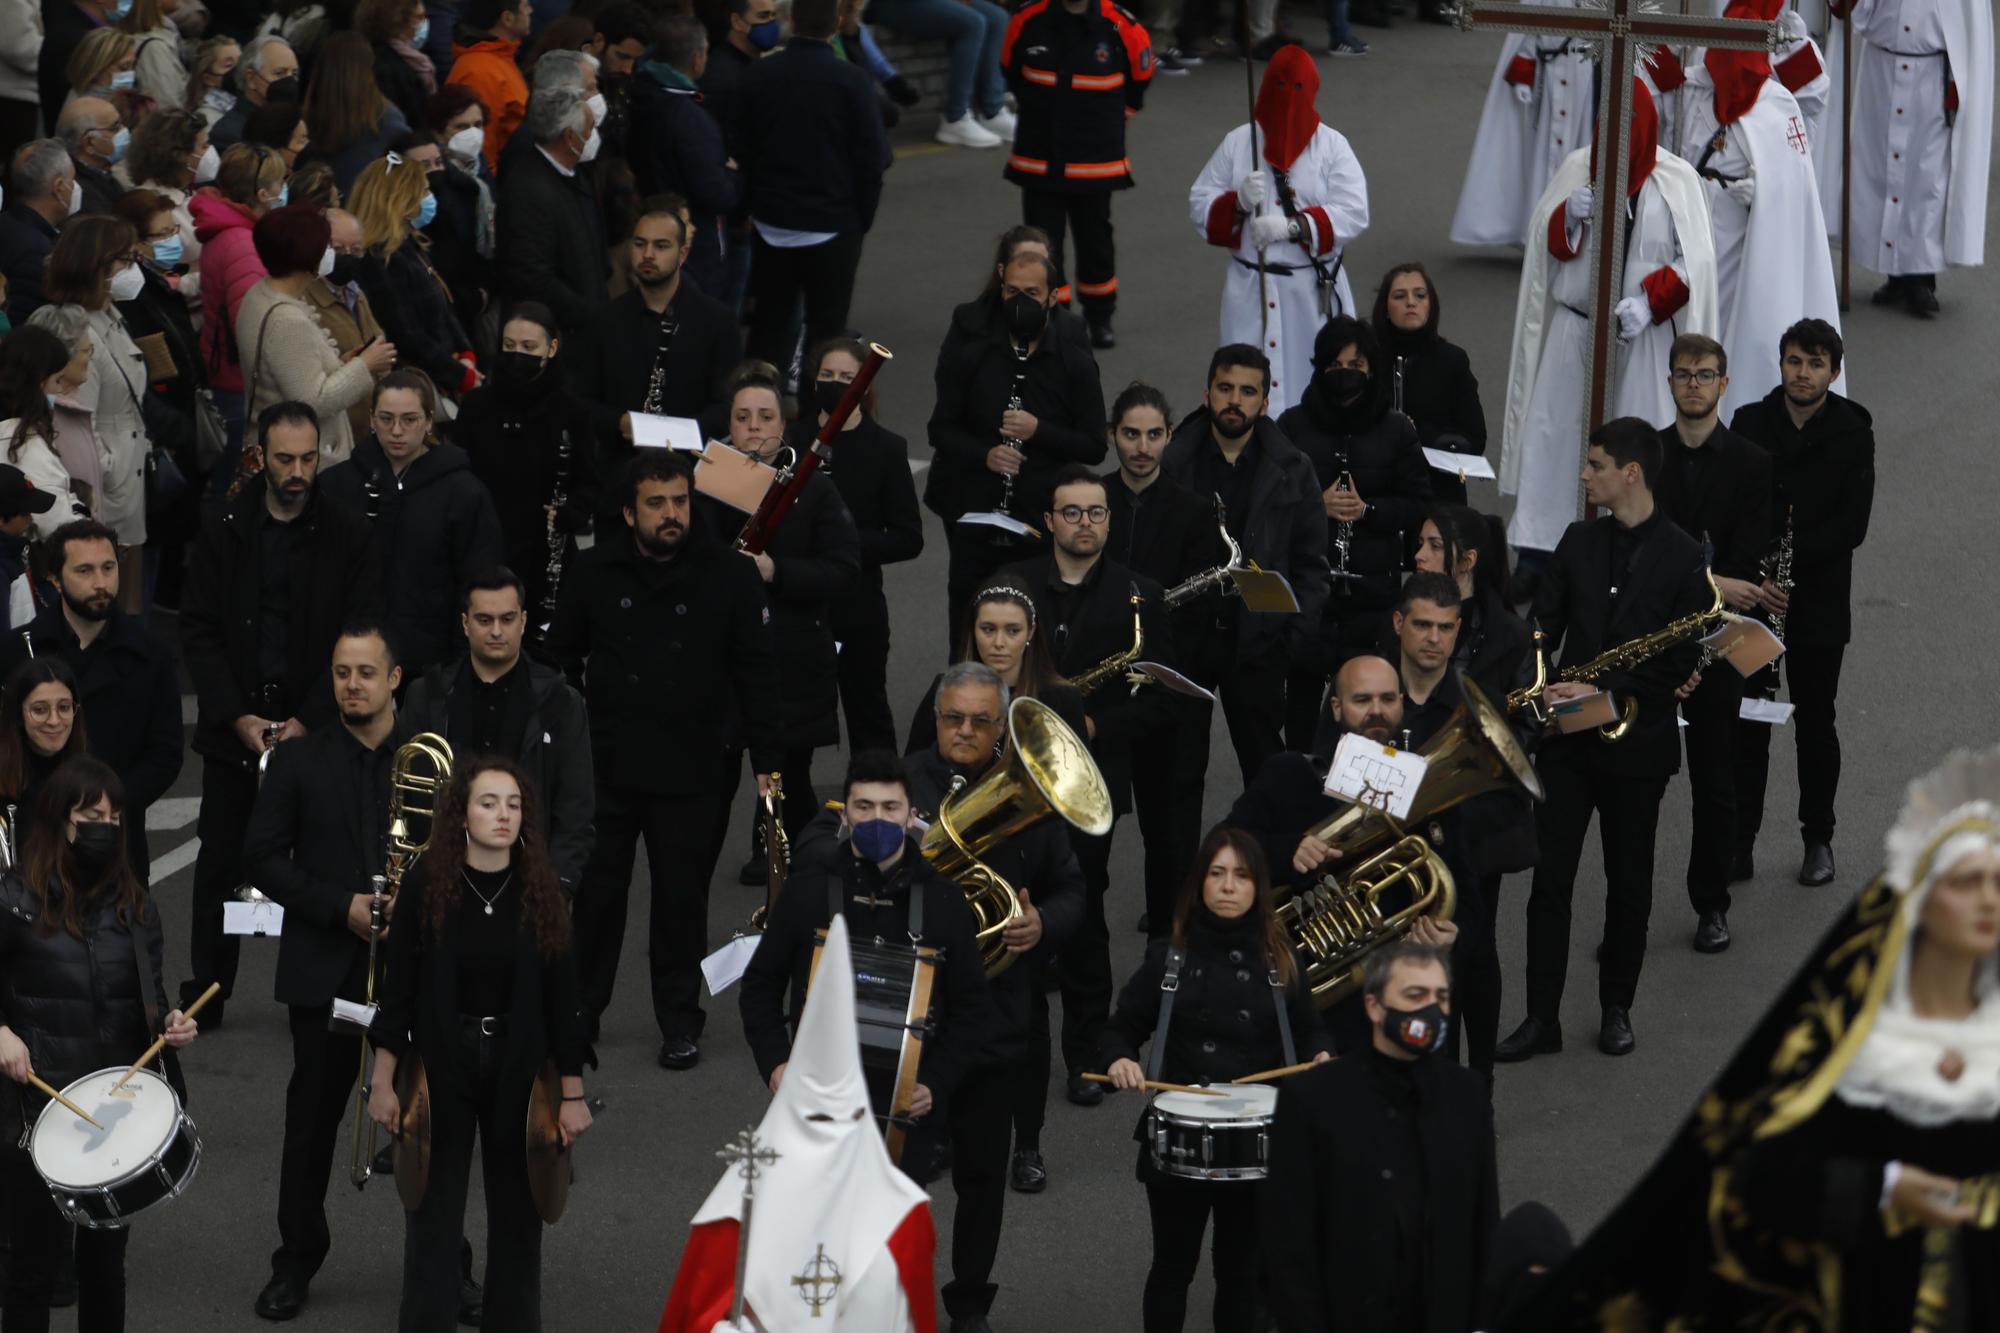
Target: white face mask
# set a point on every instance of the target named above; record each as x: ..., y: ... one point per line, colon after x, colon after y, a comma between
x: 75, y: 196
x: 326, y: 263
x: 211, y: 162
x: 467, y: 143
x: 128, y: 283
x: 598, y: 107
x: 590, y: 147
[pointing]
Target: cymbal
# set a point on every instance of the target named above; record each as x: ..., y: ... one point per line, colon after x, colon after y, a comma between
x: 550, y: 1166
x: 413, y: 1145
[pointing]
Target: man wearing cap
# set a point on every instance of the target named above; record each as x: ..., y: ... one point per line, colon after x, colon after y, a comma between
x: 19, y: 503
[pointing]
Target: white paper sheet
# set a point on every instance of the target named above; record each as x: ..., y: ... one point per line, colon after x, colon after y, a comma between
x: 264, y: 918
x: 1765, y: 710
x: 651, y: 432
x: 347, y: 1011
x: 726, y: 966
x: 1004, y: 522
x: 1380, y: 775
x: 1472, y: 465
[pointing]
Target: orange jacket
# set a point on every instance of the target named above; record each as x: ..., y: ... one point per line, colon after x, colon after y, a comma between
x: 487, y: 67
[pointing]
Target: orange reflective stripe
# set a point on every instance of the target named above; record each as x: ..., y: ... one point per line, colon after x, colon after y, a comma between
x: 1033, y: 164
x: 1105, y: 288
x: 1096, y: 82
x: 1062, y: 294
x: 1045, y: 77
x: 1097, y: 170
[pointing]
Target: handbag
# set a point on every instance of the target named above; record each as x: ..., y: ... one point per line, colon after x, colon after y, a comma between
x: 211, y: 432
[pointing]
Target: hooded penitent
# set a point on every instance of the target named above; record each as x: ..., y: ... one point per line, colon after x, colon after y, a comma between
x: 1286, y: 117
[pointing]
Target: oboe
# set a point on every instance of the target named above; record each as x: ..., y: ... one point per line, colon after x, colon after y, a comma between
x: 558, y: 541
x: 1013, y: 405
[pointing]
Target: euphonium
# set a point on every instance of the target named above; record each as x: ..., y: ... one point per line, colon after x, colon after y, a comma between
x: 418, y: 774
x: 1046, y: 771
x: 1360, y: 905
x: 1093, y: 679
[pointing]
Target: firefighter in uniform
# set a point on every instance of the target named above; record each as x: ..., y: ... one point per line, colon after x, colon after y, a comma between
x: 1079, y: 69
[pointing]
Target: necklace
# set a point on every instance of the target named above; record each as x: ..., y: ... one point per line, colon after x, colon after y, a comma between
x: 482, y: 897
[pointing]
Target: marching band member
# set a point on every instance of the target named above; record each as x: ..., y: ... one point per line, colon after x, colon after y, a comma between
x: 40, y: 731
x: 1243, y: 1007
x: 480, y: 982
x: 1493, y: 642
x: 1002, y: 633
x: 80, y: 990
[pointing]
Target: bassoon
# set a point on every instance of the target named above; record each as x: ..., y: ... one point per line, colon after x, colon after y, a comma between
x: 791, y: 480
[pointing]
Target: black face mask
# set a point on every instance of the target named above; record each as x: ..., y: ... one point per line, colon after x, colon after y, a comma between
x: 97, y: 843
x: 1026, y: 317
x: 828, y: 393
x: 1421, y: 1032
x: 282, y: 90
x: 345, y: 270
x: 1346, y: 383
x: 519, y: 367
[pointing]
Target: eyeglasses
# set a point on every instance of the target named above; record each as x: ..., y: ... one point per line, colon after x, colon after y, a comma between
x: 390, y: 421
x: 1704, y: 377
x: 43, y: 710
x: 1077, y: 513
x: 979, y: 721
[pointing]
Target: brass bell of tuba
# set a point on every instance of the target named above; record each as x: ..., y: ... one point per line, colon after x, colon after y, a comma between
x: 1387, y: 876
x: 1046, y: 771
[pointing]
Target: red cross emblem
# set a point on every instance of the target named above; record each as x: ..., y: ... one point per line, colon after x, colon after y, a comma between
x: 1796, y: 136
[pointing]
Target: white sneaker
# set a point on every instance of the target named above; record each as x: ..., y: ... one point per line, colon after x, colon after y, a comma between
x: 1000, y: 122
x: 966, y: 132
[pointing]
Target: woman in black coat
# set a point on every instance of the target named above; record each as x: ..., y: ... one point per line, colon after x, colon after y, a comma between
x: 1431, y: 378
x: 481, y: 985
x: 392, y: 197
x: 40, y: 731
x: 80, y: 991
x: 521, y: 430
x: 1241, y: 1006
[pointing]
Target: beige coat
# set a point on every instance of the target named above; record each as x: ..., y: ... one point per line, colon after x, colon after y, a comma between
x: 112, y: 393
x: 288, y: 355
x: 350, y: 331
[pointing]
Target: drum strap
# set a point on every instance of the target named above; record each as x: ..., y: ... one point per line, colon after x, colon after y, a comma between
x: 1169, y: 985
x: 836, y: 902
x: 1284, y: 1018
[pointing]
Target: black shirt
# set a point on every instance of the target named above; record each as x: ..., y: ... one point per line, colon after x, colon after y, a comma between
x: 1214, y: 474
x: 1131, y: 513
x: 276, y: 542
x: 489, y: 717
x: 1625, y: 544
x: 484, y: 940
x: 1691, y: 472
x: 368, y: 774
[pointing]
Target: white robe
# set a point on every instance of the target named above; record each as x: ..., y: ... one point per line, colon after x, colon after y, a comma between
x: 1541, y: 454
x: 1772, y: 265
x: 1326, y: 175
x: 1520, y: 145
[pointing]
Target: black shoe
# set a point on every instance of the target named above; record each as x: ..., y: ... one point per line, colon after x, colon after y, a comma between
x: 1101, y: 335
x: 1532, y: 1038
x: 282, y: 1298
x: 971, y: 1323
x: 1922, y: 299
x: 901, y: 91
x: 1615, y: 1037
x: 1028, y: 1175
x: 1890, y: 292
x: 471, y: 1302
x: 1712, y: 935
x: 1742, y: 866
x: 679, y: 1053
x: 1085, y: 1093
x: 1817, y: 868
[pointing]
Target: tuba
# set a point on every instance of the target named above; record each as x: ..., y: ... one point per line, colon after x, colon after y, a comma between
x: 1046, y: 771
x: 1337, y: 922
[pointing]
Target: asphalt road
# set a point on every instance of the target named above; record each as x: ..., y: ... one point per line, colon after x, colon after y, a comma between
x: 1575, y: 1129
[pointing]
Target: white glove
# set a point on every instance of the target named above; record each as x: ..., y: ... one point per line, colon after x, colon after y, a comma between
x: 1581, y: 203
x: 1268, y: 229
x: 1634, y: 315
x: 1252, y: 191
x: 1791, y: 25
x: 1743, y: 191
x: 1523, y: 93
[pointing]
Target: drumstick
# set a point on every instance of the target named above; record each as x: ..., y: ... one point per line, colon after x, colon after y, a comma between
x: 53, y: 1095
x: 1152, y: 1086
x: 1270, y: 1074
x: 159, y: 1042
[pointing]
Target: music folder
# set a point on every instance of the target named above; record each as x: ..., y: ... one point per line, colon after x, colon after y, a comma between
x: 735, y: 478
x: 1265, y: 590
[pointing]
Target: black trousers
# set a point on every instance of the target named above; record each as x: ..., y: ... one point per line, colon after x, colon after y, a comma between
x: 820, y: 275
x: 1084, y: 967
x: 227, y: 793
x: 1710, y: 735
x: 473, y: 1102
x: 979, y: 1111
x: 325, y: 1064
x: 1088, y: 216
x: 1475, y: 974
x: 1027, y: 1088
x: 975, y: 559
x: 1813, y: 672
x: 40, y: 1236
x: 1628, y: 817
x: 1180, y: 1210
x: 1253, y: 706
x: 1161, y: 766
x: 679, y: 833
x: 861, y: 627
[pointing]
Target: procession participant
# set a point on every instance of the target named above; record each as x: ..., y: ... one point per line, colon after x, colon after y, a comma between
x: 1494, y: 644
x: 1287, y: 214
x: 40, y: 731
x: 1002, y: 634
x: 1543, y: 91
x: 1430, y: 378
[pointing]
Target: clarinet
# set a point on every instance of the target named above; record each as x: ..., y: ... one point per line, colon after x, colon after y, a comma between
x: 1781, y: 573
x: 558, y: 542
x: 1013, y: 405
x: 656, y: 383
x: 1343, y: 533
x: 1399, y: 384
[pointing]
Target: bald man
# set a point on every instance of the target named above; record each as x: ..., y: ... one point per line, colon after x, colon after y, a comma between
x: 89, y: 128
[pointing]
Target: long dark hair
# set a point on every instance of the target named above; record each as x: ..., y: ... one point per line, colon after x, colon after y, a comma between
x: 28, y: 356
x: 48, y: 861
x: 1482, y: 534
x: 543, y: 909
x: 1038, y: 673
x: 15, y: 749
x: 1276, y: 947
x: 1384, y: 328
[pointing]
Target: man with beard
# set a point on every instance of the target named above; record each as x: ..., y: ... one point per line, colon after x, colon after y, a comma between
x: 673, y: 624
x: 664, y: 348
x: 1716, y: 487
x: 1822, y: 447
x: 1229, y: 449
x: 271, y: 581
x: 127, y: 684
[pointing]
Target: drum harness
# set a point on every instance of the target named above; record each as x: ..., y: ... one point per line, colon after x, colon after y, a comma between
x: 1170, y: 984
x: 836, y: 900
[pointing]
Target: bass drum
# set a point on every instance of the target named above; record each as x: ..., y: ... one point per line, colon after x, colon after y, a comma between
x: 1214, y: 1138
x: 146, y: 1153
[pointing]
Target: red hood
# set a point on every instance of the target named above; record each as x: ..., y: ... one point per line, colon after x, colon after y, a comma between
x: 1645, y: 140
x: 214, y: 215
x: 1739, y: 75
x: 1285, y: 114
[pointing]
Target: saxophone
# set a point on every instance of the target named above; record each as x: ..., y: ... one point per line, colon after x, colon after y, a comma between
x: 558, y: 543
x: 1216, y: 579
x: 1781, y: 573
x: 1114, y: 665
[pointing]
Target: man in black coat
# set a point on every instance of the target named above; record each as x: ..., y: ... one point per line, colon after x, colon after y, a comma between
x: 1010, y: 1077
x: 1716, y: 487
x: 271, y: 581
x: 1822, y: 447
x: 806, y: 128
x: 1383, y: 1193
x: 680, y: 150
x: 494, y: 700
x: 1612, y: 579
x: 319, y: 831
x: 674, y: 625
x: 1012, y: 409
x: 129, y: 695
x: 551, y: 230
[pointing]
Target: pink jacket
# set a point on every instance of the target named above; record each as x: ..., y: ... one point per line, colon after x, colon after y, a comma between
x: 229, y: 269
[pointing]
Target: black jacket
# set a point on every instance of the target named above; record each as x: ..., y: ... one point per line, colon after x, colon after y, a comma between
x: 774, y: 985
x: 1342, y: 1130
x: 413, y: 306
x: 1166, y: 532
x: 681, y: 152
x: 1441, y: 396
x: 319, y: 830
x: 975, y: 379
x: 610, y: 365
x: 1282, y: 526
x: 555, y: 749
x: 1825, y: 477
x: 870, y: 466
x: 805, y: 127
x: 1038, y: 859
x: 1378, y: 447
x: 1078, y: 79
x: 131, y: 697
x: 1720, y: 495
x: 1287, y: 797
x: 1495, y: 649
x: 454, y: 234
x: 694, y: 629
x: 64, y: 26
x: 25, y: 241
x: 433, y: 528
x: 1664, y: 581
x: 551, y: 244
x: 333, y: 577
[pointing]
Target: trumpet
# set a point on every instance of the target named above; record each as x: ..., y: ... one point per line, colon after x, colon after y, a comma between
x: 1089, y: 681
x: 777, y: 850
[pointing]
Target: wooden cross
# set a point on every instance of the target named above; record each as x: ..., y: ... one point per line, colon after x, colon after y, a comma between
x: 1619, y: 29
x: 746, y: 1154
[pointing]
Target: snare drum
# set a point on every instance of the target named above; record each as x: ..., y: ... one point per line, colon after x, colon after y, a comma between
x: 146, y: 1154
x: 1214, y: 1138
